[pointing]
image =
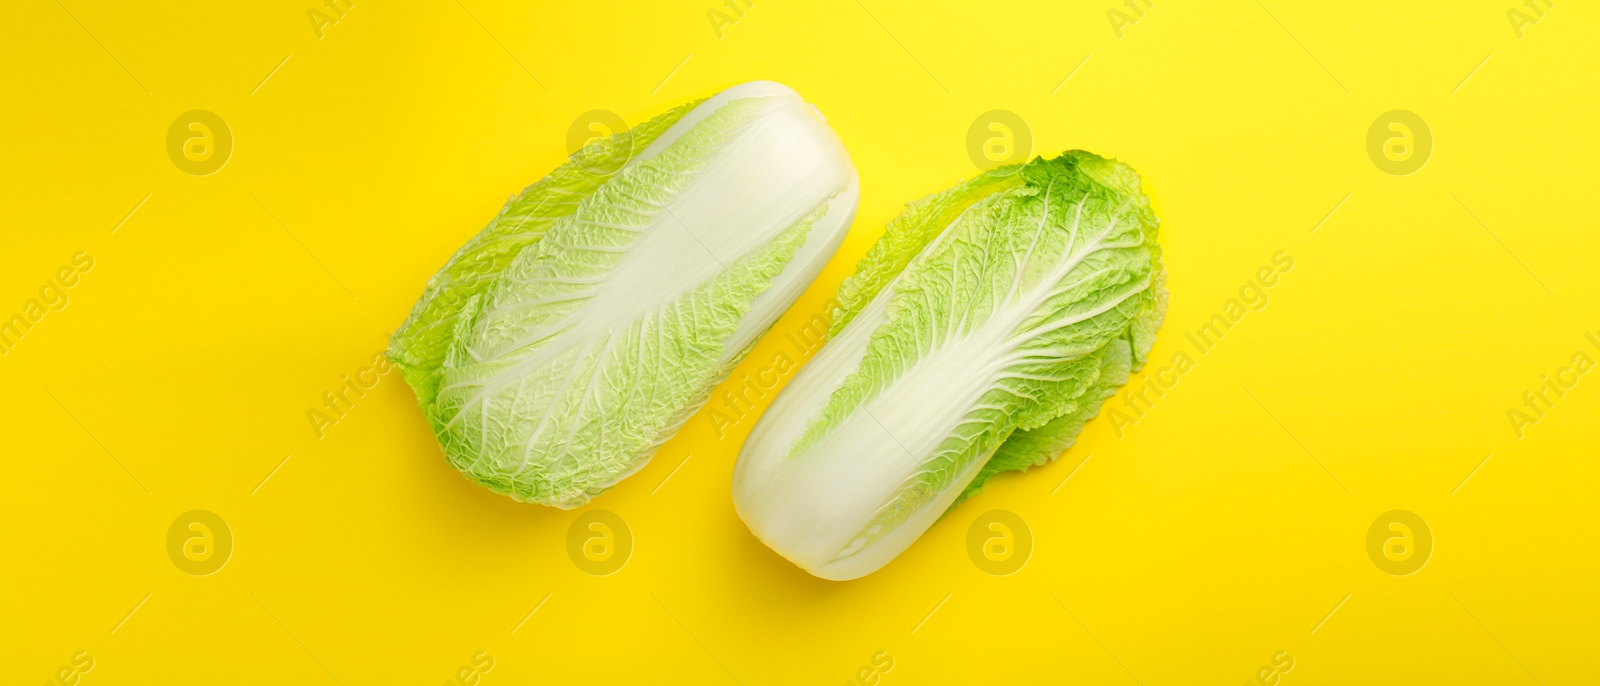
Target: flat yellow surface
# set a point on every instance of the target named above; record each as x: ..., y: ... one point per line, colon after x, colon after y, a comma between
x: 1216, y: 532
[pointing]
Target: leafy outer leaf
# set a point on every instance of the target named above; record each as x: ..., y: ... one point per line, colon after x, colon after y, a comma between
x: 1027, y: 448
x: 597, y: 342
x: 418, y: 346
x: 1012, y: 320
x: 1035, y: 447
x: 907, y: 235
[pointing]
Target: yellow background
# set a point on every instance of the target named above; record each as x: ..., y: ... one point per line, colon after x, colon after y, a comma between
x: 1191, y: 550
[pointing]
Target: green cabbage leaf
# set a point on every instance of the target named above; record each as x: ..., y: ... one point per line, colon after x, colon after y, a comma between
x: 564, y: 343
x: 978, y: 336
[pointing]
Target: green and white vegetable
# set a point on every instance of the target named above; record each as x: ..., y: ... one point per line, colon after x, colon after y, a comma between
x: 977, y: 336
x: 578, y: 331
